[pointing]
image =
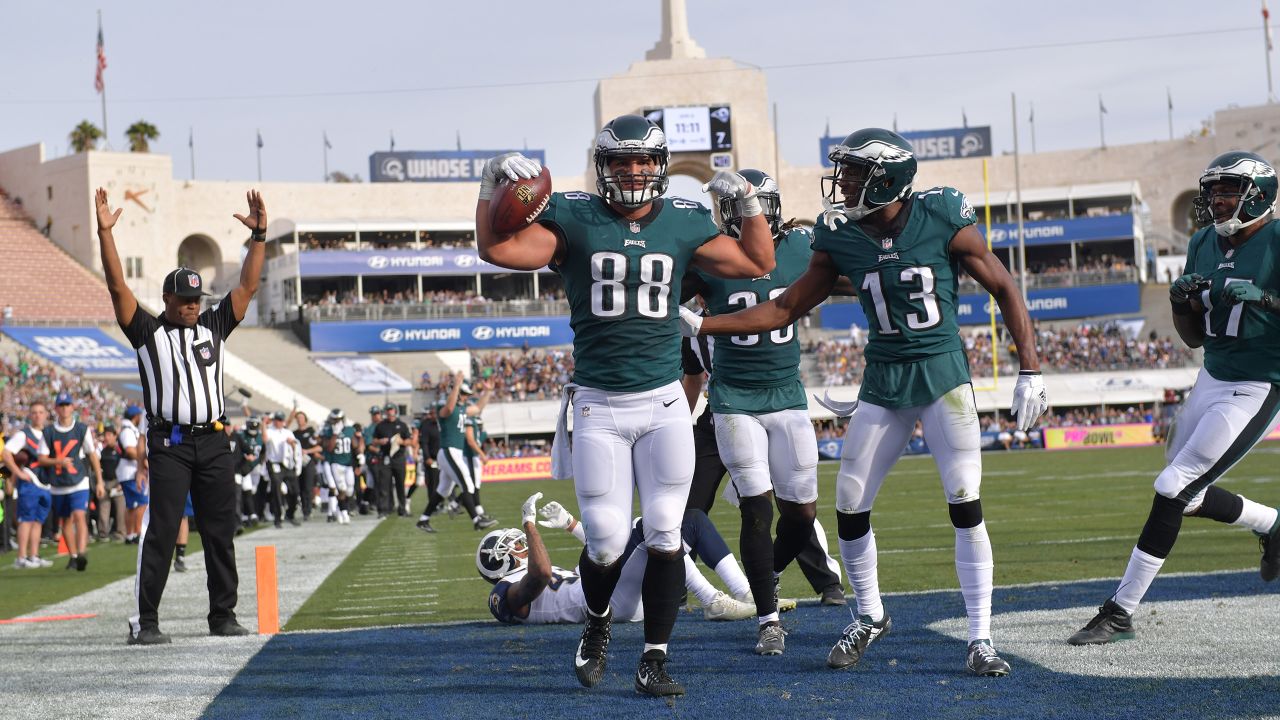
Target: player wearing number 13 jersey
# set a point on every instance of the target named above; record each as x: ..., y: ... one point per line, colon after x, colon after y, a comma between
x: 902, y: 250
x: 623, y: 253
x: 1226, y: 303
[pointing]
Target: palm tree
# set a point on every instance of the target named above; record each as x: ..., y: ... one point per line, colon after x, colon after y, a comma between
x: 140, y: 135
x: 85, y: 136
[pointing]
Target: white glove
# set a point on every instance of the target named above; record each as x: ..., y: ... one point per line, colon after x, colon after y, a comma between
x: 512, y: 165
x: 832, y: 216
x: 690, y: 322
x: 1029, y: 399
x: 556, y: 516
x: 730, y: 184
x: 529, y: 511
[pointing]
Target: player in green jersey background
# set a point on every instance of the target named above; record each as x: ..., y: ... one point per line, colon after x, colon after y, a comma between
x: 1225, y: 302
x: 622, y: 254
x: 903, y: 251
x: 761, y: 413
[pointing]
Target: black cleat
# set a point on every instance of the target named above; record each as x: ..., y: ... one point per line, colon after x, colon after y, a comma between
x: 179, y: 565
x: 1270, y: 544
x: 229, y: 628
x: 593, y: 649
x: 772, y: 639
x: 652, y: 678
x: 982, y: 660
x: 1110, y: 624
x: 148, y: 636
x: 425, y: 525
x: 855, y: 640
x: 833, y: 595
x: 483, y: 522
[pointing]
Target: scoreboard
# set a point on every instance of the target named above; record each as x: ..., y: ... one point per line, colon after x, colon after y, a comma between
x: 696, y: 128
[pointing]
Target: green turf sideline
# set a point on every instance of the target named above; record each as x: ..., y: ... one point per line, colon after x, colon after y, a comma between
x: 1052, y: 517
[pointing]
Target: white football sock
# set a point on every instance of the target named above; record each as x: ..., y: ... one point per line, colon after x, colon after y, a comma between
x: 697, y: 584
x: 975, y: 568
x: 731, y: 573
x: 1138, y: 576
x: 860, y: 565
x: 1257, y: 517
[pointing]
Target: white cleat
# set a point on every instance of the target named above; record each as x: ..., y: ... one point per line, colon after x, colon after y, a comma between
x: 725, y: 607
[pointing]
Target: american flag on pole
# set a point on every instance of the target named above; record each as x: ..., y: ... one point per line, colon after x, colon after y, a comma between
x: 1266, y: 23
x: 102, y: 61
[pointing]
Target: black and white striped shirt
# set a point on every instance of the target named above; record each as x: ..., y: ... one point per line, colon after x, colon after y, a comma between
x: 181, y: 367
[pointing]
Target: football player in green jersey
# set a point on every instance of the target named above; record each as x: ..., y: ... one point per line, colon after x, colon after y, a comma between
x: 1226, y: 303
x: 902, y: 250
x: 761, y: 414
x: 623, y: 254
x: 455, y: 468
x: 339, y: 441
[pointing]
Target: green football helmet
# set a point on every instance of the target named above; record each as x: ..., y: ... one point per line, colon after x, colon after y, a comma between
x: 631, y: 135
x: 770, y: 203
x: 1248, y: 178
x: 876, y: 164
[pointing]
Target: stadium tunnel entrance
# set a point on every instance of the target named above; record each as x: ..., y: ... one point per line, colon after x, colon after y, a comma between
x: 201, y: 253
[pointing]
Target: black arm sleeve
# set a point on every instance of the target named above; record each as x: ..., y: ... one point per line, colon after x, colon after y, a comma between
x: 140, y: 327
x: 220, y: 318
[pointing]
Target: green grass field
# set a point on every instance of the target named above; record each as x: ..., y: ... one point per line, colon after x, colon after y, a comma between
x: 1052, y: 516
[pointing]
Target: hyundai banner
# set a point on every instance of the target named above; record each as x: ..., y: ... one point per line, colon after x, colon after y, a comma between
x: 347, y: 263
x: 1055, y: 304
x: 413, y: 335
x: 78, y: 349
x: 1057, y: 232
x: 436, y: 165
x: 944, y: 144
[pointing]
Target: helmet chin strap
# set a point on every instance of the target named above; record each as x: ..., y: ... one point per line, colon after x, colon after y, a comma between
x: 1233, y: 224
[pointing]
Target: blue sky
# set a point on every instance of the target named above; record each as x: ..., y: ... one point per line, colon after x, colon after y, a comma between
x: 429, y: 70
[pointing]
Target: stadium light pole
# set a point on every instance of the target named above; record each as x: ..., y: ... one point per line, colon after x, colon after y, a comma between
x: 1017, y: 194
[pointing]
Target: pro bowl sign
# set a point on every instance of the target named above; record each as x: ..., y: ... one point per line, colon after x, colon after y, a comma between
x: 78, y: 349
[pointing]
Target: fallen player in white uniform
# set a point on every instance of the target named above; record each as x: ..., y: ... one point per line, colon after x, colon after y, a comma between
x: 529, y: 590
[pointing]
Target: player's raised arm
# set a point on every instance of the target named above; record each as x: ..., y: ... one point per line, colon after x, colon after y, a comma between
x: 725, y: 256
x: 529, y: 248
x: 122, y: 299
x: 799, y: 298
x: 522, y: 593
x: 970, y: 248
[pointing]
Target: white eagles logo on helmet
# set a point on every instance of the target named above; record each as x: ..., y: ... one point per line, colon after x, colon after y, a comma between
x: 880, y: 151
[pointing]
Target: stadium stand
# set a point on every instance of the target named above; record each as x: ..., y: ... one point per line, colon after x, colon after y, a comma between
x: 52, y: 286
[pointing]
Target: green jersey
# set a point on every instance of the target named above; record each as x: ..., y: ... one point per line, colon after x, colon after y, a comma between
x: 453, y: 427
x: 477, y: 429
x: 622, y: 278
x: 1241, y: 341
x: 758, y: 373
x: 907, y: 286
x: 343, y: 452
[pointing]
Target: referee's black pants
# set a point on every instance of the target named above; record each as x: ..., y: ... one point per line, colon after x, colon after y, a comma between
x: 202, y: 465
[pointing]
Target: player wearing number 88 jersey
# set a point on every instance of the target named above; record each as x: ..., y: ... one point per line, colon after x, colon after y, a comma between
x: 902, y: 251
x: 623, y: 254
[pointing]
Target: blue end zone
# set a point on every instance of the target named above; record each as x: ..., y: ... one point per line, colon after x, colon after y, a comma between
x: 484, y: 670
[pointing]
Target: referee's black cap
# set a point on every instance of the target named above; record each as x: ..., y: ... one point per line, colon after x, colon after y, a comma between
x: 184, y: 282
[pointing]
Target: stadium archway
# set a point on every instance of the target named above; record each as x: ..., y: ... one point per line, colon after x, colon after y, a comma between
x: 687, y: 179
x: 1184, y: 217
x: 201, y: 253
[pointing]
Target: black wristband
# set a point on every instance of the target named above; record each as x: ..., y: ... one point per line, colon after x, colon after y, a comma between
x: 1028, y: 372
x: 258, y: 236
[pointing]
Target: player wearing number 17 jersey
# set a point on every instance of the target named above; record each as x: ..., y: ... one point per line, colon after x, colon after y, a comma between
x: 902, y: 250
x: 623, y: 254
x: 1226, y: 303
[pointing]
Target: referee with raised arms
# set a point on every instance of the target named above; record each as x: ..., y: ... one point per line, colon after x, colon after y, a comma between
x: 180, y: 365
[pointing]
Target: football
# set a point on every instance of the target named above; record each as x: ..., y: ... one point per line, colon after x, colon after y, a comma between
x: 515, y: 205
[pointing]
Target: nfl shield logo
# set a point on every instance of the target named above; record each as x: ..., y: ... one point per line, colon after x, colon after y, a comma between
x: 193, y: 281
x: 886, y: 243
x: 205, y: 354
x: 635, y: 227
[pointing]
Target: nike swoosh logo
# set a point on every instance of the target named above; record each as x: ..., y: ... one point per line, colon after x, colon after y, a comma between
x: 578, y: 660
x: 1237, y: 393
x: 668, y: 404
